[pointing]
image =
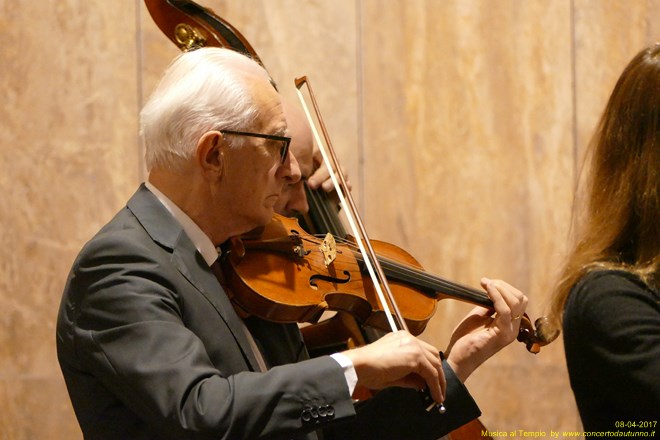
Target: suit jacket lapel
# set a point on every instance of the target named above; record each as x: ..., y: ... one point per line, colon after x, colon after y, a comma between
x: 166, y: 231
x: 194, y: 268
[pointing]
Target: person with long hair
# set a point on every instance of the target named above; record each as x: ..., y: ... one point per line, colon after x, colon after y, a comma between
x: 607, y: 298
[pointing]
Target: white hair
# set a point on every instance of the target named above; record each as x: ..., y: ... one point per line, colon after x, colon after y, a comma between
x: 201, y: 90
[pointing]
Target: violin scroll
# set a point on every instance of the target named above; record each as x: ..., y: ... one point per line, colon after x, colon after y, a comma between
x: 536, y: 335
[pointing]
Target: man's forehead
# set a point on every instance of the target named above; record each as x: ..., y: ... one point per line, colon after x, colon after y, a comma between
x: 269, y: 104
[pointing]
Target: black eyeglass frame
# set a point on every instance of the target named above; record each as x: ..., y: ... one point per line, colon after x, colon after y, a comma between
x: 284, y: 152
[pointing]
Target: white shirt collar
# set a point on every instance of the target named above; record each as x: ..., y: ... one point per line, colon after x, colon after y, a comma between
x: 201, y: 241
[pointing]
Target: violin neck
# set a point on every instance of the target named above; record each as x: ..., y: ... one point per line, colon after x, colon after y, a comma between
x: 436, y: 286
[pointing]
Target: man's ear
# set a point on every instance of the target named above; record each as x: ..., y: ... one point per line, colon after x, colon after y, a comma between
x: 210, y: 156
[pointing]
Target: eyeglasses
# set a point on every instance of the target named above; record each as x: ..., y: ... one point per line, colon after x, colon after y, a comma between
x: 284, y: 150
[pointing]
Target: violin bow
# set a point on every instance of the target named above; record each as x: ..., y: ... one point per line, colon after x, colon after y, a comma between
x: 385, y: 296
x: 394, y: 316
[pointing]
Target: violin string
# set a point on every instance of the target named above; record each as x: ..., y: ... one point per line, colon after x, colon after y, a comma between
x: 343, y: 260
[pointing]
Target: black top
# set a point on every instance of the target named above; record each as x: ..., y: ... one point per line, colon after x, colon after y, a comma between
x: 612, y: 343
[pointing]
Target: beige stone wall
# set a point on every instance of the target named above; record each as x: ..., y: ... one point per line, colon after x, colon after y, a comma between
x: 461, y: 124
x: 68, y: 161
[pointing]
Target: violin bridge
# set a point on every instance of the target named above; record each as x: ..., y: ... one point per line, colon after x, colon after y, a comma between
x: 329, y: 249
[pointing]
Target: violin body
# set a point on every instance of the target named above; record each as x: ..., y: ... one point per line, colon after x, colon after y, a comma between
x: 264, y: 272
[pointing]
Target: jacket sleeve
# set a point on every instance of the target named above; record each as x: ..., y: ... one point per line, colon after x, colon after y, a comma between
x: 123, y: 343
x: 400, y: 414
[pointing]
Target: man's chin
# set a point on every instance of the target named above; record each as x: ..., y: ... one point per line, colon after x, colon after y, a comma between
x: 255, y: 224
x: 286, y: 213
x: 269, y: 212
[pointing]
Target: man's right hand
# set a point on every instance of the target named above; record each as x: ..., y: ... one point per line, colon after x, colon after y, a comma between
x: 399, y: 359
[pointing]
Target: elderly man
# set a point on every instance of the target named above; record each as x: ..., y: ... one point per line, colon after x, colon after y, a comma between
x: 147, y: 338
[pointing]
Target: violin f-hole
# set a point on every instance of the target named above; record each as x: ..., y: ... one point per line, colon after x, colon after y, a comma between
x: 313, y: 279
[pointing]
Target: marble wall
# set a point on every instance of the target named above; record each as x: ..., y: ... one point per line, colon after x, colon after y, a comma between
x: 461, y: 123
x: 69, y: 160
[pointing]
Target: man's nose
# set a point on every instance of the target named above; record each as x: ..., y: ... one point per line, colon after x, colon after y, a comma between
x: 292, y: 168
x: 297, y: 199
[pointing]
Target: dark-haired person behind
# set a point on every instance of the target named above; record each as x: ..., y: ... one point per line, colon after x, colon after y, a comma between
x: 609, y: 292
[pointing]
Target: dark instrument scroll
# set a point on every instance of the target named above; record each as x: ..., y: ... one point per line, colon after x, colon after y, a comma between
x: 189, y: 25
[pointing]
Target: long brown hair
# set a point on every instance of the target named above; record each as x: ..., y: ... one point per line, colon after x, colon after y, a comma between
x: 618, y: 226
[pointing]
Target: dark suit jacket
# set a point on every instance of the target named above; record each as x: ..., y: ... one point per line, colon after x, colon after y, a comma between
x: 148, y: 344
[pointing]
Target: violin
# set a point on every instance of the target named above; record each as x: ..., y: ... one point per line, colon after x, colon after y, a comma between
x: 264, y: 269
